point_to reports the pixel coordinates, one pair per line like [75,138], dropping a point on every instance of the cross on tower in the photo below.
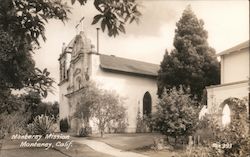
[79,26]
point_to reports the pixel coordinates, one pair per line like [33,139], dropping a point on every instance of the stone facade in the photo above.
[131,79]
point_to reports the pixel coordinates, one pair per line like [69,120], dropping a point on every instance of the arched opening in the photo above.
[78,82]
[226,115]
[147,104]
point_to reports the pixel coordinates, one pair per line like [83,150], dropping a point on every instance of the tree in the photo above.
[88,99]
[192,63]
[102,106]
[176,114]
[108,110]
[114,14]
[33,105]
[22,23]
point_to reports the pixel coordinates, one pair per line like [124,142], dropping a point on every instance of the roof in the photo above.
[119,64]
[235,48]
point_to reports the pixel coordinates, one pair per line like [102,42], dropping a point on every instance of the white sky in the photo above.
[227,23]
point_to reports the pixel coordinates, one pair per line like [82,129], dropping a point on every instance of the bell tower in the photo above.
[63,64]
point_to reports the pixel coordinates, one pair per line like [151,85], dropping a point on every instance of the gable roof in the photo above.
[235,48]
[119,64]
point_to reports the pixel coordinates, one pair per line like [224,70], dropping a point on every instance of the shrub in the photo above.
[203,131]
[85,131]
[14,123]
[234,134]
[42,125]
[64,125]
[117,126]
[177,114]
[143,123]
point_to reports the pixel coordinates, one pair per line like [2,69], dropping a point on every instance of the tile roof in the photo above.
[235,48]
[119,64]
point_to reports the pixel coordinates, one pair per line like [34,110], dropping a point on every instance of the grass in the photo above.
[138,142]
[127,142]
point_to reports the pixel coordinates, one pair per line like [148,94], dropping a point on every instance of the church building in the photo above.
[131,79]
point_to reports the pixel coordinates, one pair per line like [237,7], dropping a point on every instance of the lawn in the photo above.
[129,141]
[139,143]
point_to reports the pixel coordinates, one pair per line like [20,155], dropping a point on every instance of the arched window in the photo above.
[226,115]
[147,104]
[78,82]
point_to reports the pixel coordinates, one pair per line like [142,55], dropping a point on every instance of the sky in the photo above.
[227,23]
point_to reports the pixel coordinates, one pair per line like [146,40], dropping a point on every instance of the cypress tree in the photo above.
[192,63]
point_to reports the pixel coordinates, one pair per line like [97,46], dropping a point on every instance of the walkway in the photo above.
[104,148]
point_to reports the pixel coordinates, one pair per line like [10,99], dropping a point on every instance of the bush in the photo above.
[42,125]
[177,114]
[234,134]
[64,125]
[143,124]
[85,131]
[14,123]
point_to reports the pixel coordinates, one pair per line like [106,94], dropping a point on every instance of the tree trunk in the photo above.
[102,133]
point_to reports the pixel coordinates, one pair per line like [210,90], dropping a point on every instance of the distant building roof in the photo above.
[128,65]
[235,48]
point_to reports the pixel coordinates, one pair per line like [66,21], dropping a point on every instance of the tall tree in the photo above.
[21,25]
[192,63]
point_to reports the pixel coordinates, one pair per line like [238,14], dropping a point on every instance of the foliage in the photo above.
[114,14]
[13,123]
[41,125]
[203,131]
[33,104]
[233,137]
[107,109]
[104,107]
[10,103]
[143,123]
[176,113]
[85,131]
[64,125]
[235,133]
[198,152]
[48,108]
[21,25]
[88,99]
[192,63]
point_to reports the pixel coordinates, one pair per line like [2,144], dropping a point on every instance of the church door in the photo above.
[147,104]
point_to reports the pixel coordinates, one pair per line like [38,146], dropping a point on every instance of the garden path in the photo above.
[107,149]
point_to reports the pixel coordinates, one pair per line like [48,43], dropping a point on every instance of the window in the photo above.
[78,82]
[64,70]
[226,115]
[147,104]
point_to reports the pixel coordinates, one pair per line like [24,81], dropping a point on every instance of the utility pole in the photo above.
[248,91]
[97,40]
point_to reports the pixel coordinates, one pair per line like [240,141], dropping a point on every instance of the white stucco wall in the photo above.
[217,94]
[84,63]
[234,79]
[235,67]
[63,101]
[130,87]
